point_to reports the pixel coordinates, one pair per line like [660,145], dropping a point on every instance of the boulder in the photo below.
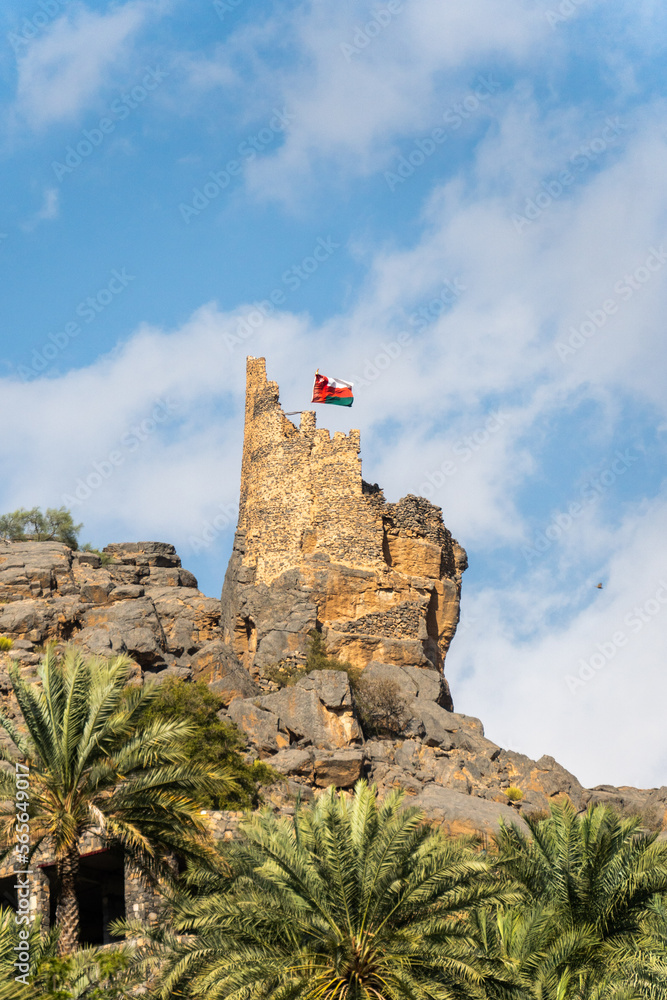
[292,762]
[215,664]
[429,707]
[93,582]
[541,781]
[413,682]
[189,619]
[24,656]
[172,672]
[304,713]
[331,686]
[127,592]
[42,620]
[260,726]
[131,627]
[144,553]
[317,710]
[341,768]
[35,569]
[649,804]
[465,814]
[46,592]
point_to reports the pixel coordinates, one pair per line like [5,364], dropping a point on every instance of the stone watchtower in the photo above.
[317,547]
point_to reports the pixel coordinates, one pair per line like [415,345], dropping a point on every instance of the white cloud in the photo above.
[608,726]
[168,406]
[61,72]
[165,478]
[50,210]
[361,75]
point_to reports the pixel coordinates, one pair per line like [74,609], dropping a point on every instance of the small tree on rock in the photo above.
[56,525]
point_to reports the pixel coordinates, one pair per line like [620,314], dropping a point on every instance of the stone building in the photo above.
[318,547]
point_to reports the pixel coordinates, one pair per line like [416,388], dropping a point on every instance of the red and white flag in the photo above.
[332,390]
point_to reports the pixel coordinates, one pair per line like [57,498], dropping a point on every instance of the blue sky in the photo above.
[460,207]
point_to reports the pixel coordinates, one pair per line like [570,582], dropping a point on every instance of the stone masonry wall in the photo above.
[300,490]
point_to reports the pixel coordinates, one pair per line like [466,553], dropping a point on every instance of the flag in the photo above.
[332,390]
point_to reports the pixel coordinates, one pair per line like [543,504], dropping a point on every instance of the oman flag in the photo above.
[332,390]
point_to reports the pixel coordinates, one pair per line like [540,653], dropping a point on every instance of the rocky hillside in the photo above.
[401,607]
[138,599]
[135,599]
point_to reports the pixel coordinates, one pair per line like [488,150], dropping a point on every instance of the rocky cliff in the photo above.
[136,598]
[316,548]
[141,601]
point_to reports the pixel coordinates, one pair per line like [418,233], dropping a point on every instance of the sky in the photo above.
[461,208]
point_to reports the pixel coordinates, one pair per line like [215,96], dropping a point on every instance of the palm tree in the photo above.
[87,974]
[532,955]
[350,899]
[40,947]
[95,767]
[593,921]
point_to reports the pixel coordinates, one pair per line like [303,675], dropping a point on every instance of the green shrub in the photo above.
[284,674]
[56,525]
[5,643]
[105,557]
[514,794]
[318,658]
[214,741]
[287,673]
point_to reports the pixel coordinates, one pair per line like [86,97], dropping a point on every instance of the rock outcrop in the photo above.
[138,599]
[308,734]
[135,599]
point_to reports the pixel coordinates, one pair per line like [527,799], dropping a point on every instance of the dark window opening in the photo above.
[432,616]
[8,894]
[245,640]
[100,890]
[385,542]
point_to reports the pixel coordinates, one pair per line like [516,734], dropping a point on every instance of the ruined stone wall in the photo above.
[301,490]
[317,546]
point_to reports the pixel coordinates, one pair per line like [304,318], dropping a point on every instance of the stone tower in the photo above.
[317,547]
